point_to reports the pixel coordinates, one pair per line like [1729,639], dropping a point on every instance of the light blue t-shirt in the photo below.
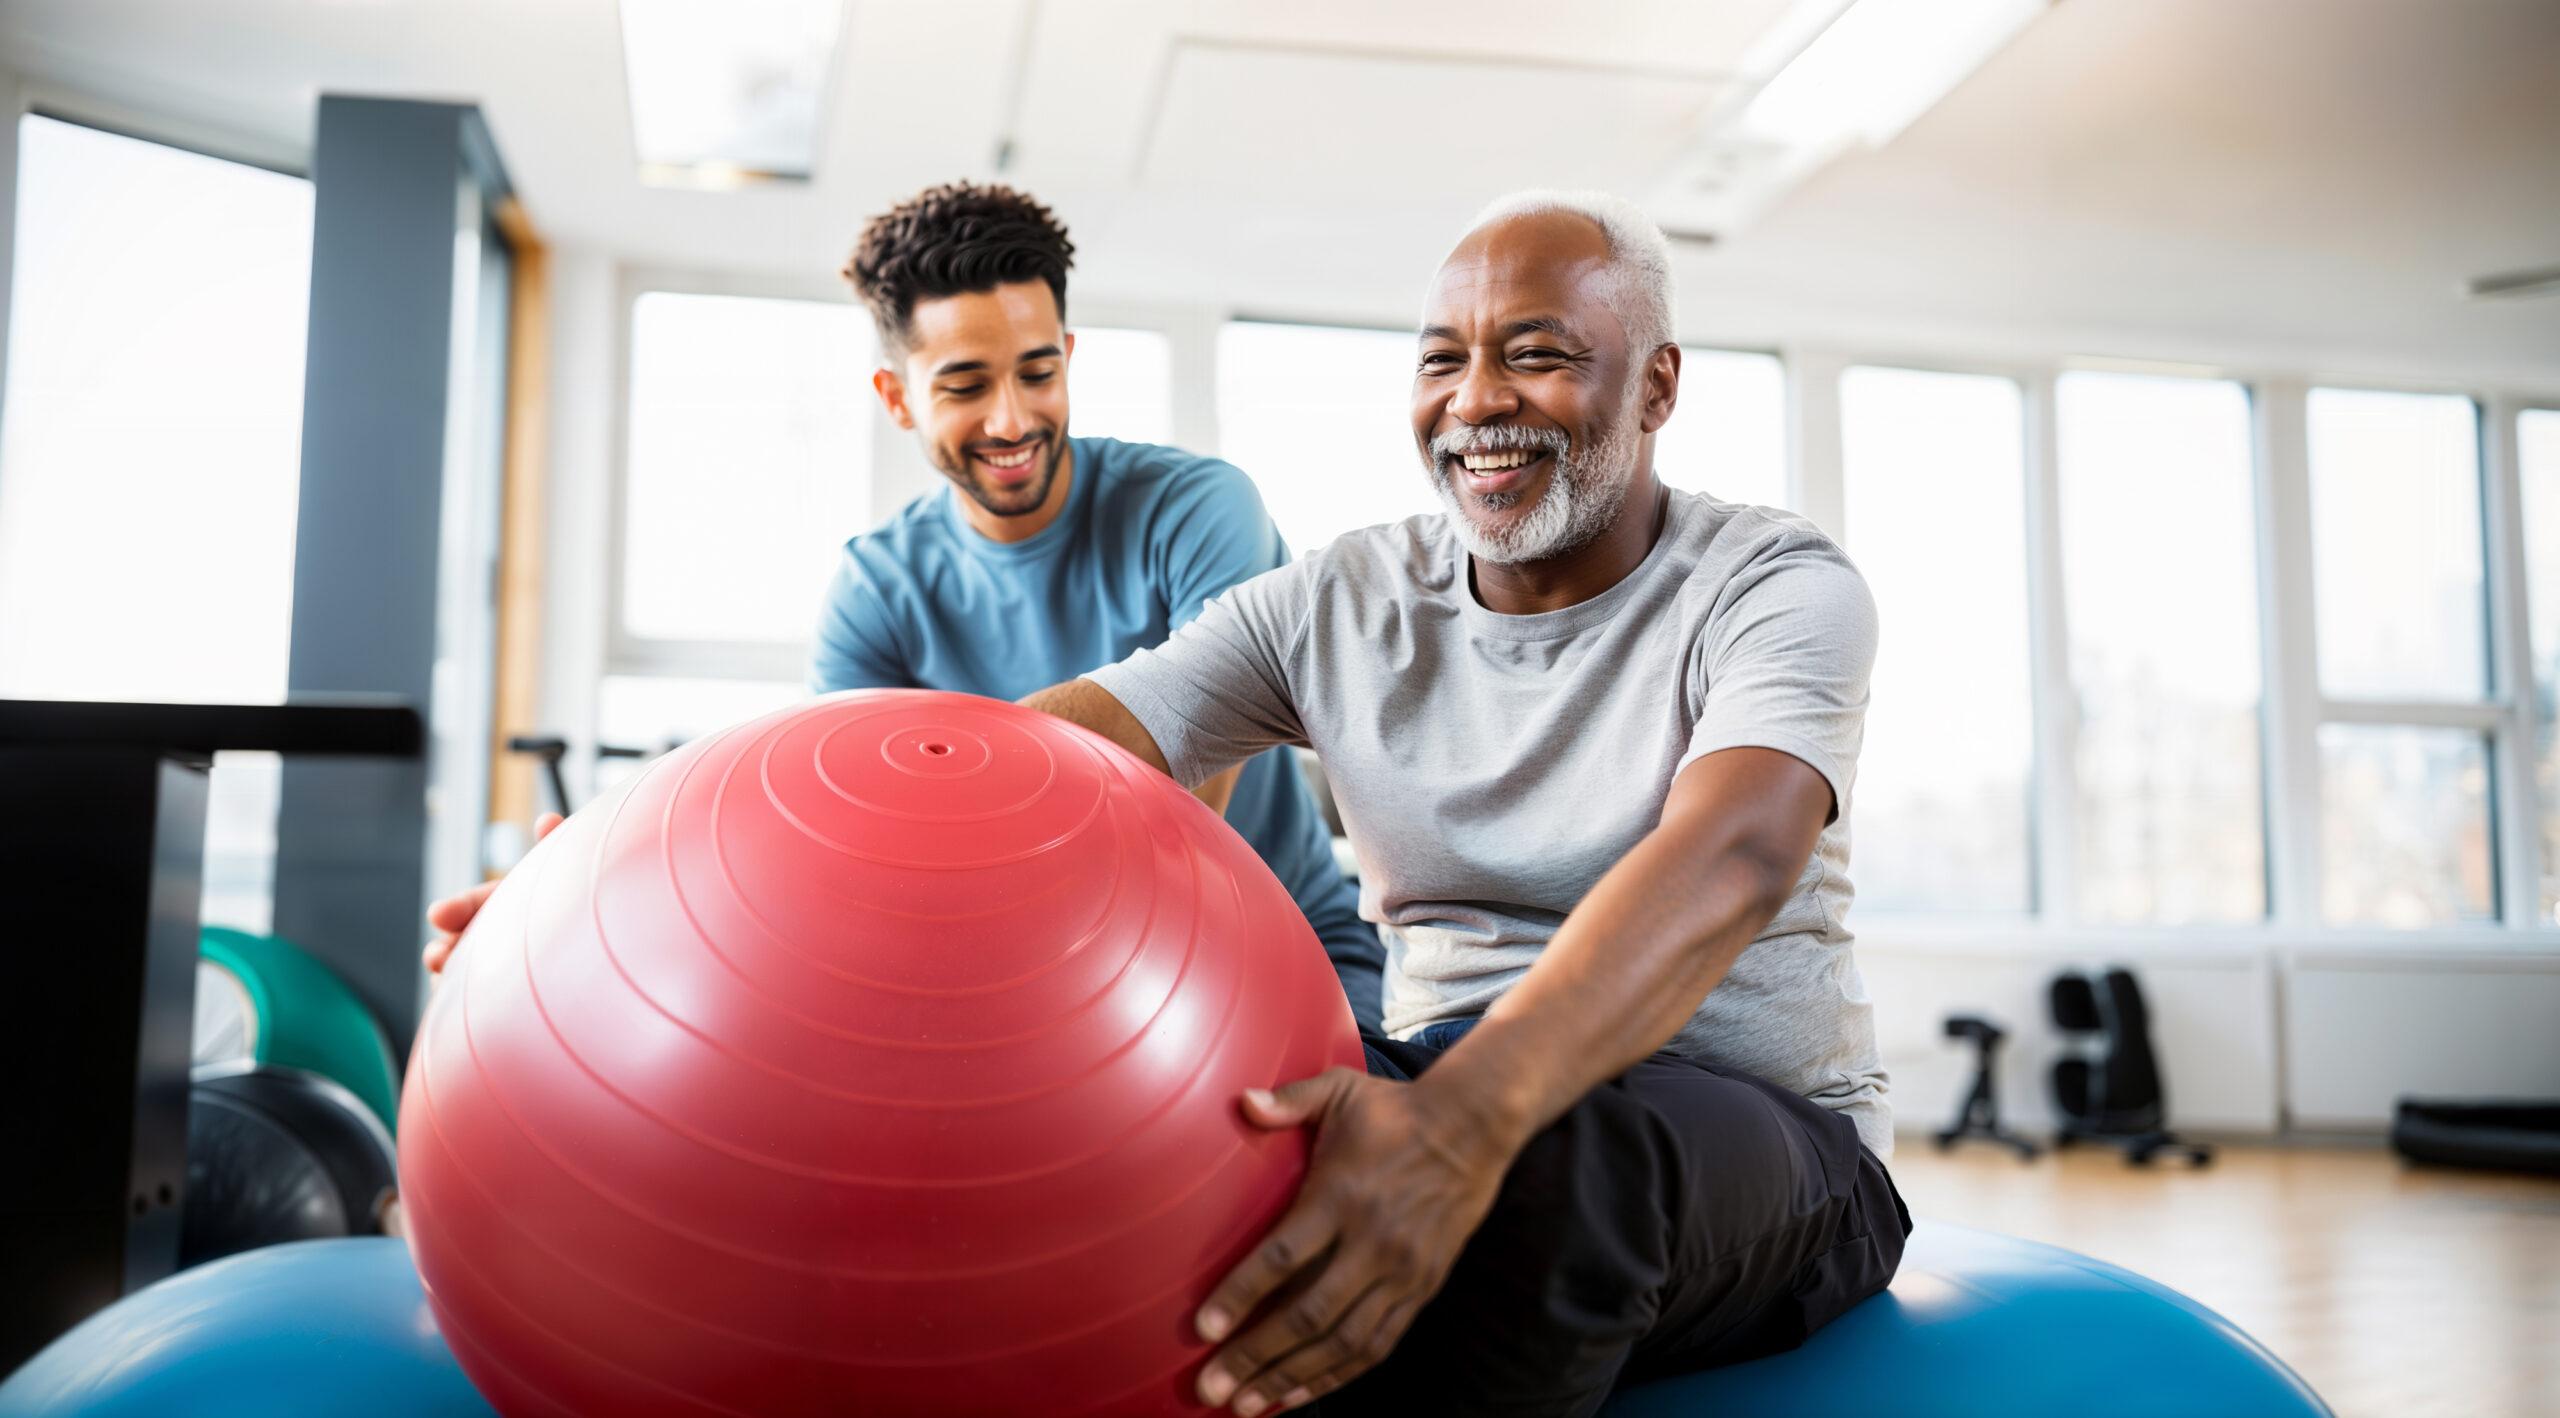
[1149,534]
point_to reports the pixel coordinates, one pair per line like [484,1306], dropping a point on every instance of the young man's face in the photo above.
[984,386]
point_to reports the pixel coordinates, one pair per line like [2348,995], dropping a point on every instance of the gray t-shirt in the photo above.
[1489,768]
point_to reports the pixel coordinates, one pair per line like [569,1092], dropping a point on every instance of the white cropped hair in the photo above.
[1638,250]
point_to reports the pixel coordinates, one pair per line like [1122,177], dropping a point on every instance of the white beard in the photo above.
[1581,501]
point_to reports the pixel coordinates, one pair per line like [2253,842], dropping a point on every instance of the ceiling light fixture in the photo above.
[1879,65]
[730,94]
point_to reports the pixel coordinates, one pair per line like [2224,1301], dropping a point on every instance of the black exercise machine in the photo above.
[1980,1114]
[102,864]
[2107,1088]
[549,749]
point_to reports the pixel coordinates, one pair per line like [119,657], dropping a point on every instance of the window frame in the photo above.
[2502,716]
[1819,476]
[2292,706]
[2515,809]
[670,657]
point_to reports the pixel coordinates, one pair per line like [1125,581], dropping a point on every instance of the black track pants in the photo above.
[1678,1217]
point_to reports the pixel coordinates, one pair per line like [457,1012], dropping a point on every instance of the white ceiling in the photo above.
[2306,181]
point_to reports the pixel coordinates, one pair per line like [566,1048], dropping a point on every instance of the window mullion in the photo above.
[1815,480]
[2513,740]
[2288,650]
[2055,767]
[1194,336]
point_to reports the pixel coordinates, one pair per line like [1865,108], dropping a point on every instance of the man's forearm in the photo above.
[1636,958]
[1089,705]
[1082,702]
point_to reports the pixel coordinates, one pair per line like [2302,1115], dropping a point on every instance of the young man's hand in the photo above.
[452,915]
[1396,1188]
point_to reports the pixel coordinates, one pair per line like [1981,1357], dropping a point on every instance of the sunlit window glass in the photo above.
[749,463]
[150,452]
[2404,826]
[1727,437]
[1318,417]
[2160,574]
[1934,468]
[2538,455]
[2396,547]
[1120,385]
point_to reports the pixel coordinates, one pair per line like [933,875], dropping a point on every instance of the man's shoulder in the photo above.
[1720,540]
[1738,563]
[1140,477]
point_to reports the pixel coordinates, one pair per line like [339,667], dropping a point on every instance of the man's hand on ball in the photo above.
[451,916]
[1393,1192]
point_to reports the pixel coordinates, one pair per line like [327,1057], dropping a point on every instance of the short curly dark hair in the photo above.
[955,239]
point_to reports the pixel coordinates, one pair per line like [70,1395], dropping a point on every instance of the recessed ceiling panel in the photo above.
[1322,127]
[1706,37]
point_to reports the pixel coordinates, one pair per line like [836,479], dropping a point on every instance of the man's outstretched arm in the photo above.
[1089,705]
[1405,1172]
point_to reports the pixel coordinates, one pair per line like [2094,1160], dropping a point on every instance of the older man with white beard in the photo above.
[1593,741]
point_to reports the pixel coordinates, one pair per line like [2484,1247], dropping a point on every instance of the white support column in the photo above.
[2511,674]
[2288,651]
[2057,707]
[1194,336]
[587,359]
[1814,477]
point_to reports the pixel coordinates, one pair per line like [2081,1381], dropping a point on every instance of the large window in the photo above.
[1934,480]
[2401,600]
[150,450]
[749,464]
[2538,459]
[1728,436]
[2160,567]
[1318,417]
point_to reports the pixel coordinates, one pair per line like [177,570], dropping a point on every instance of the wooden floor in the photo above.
[2394,1290]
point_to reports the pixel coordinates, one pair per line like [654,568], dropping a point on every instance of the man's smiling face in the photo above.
[984,384]
[1525,394]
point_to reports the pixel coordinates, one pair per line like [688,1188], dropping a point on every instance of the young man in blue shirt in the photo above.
[1048,555]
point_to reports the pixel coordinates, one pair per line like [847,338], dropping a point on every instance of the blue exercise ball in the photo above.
[318,1329]
[1980,1323]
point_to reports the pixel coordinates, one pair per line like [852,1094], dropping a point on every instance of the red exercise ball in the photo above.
[879,1056]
